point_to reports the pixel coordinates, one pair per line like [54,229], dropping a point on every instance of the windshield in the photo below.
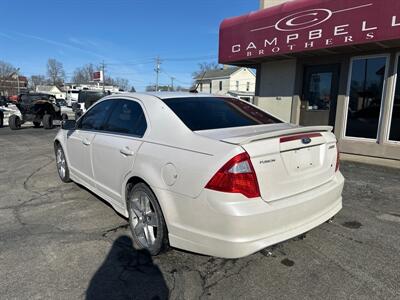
[204,113]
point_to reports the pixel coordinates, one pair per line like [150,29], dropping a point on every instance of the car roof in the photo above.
[169,95]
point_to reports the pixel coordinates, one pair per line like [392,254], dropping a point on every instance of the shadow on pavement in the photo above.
[127,274]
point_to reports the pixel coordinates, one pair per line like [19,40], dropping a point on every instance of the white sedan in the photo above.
[207,174]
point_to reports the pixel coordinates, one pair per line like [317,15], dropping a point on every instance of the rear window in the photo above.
[204,113]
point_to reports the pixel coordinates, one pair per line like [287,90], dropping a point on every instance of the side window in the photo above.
[127,118]
[94,118]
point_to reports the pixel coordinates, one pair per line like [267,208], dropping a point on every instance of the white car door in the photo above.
[115,148]
[79,141]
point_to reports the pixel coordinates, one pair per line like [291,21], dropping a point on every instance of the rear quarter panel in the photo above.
[179,170]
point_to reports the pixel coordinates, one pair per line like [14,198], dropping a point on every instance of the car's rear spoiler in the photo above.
[242,140]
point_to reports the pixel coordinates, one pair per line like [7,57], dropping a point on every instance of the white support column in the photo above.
[269,3]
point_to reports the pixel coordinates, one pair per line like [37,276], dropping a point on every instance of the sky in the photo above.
[127,34]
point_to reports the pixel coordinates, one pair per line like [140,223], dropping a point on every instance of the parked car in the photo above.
[37,108]
[3,106]
[66,112]
[207,174]
[7,109]
[86,99]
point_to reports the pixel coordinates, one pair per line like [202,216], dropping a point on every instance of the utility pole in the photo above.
[172,83]
[157,70]
[17,71]
[103,68]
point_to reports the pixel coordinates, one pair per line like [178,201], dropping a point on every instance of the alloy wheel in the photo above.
[143,219]
[61,163]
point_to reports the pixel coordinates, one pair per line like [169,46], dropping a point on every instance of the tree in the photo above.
[204,67]
[181,89]
[122,83]
[36,80]
[150,88]
[161,88]
[84,74]
[55,71]
[6,69]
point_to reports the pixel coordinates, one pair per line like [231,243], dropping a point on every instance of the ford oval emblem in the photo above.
[306,141]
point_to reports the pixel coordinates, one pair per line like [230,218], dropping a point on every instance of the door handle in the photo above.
[86,142]
[126,151]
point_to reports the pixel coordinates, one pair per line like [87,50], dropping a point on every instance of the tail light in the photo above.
[337,159]
[236,176]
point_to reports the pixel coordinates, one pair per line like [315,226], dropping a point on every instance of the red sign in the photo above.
[98,76]
[305,25]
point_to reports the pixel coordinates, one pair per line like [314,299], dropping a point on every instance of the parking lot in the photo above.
[59,241]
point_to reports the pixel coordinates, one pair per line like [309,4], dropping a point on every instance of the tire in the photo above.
[47,121]
[61,163]
[1,120]
[14,122]
[36,124]
[146,220]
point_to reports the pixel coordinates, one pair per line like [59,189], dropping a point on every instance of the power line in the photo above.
[185,59]
[176,79]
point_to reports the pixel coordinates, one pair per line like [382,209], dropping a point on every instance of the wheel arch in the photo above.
[132,181]
[47,108]
[59,142]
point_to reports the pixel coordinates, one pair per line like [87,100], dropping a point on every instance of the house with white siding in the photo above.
[234,81]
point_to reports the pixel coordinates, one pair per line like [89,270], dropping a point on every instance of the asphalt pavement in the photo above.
[59,241]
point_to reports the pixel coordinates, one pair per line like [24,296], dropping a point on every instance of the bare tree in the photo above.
[109,80]
[84,74]
[122,83]
[55,71]
[36,80]
[204,67]
[6,71]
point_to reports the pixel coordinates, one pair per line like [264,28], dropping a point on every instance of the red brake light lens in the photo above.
[236,176]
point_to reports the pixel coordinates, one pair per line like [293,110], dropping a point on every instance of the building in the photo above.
[235,81]
[13,85]
[325,62]
[90,86]
[51,89]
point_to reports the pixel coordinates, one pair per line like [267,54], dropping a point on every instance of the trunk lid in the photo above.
[287,159]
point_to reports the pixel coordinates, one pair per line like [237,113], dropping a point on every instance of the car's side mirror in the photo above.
[68,125]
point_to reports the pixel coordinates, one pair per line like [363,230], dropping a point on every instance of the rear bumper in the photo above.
[233,227]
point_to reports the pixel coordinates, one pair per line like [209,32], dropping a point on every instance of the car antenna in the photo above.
[194,90]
